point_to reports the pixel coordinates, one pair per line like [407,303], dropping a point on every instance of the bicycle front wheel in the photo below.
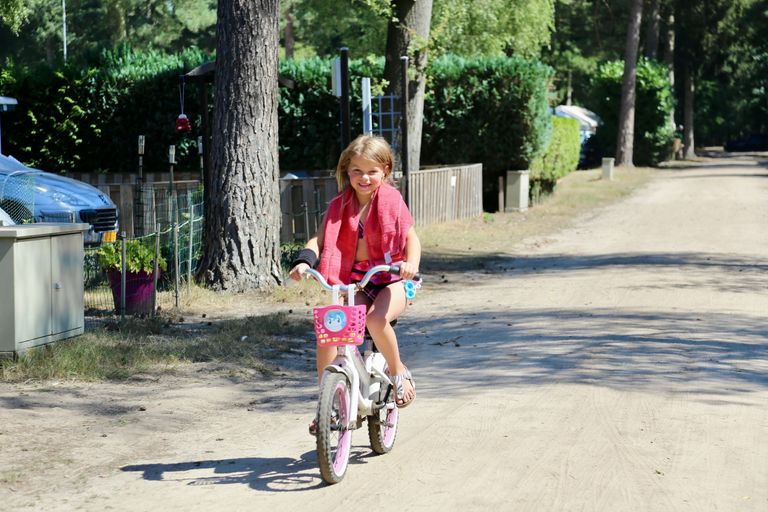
[334,439]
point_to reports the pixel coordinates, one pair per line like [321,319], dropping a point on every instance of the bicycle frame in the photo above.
[365,373]
[354,388]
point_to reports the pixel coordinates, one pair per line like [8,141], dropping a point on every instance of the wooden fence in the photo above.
[303,202]
[445,194]
[436,195]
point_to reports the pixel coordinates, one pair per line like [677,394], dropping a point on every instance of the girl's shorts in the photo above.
[377,283]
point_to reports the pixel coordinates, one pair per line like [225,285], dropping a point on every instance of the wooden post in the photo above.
[607,168]
[501,194]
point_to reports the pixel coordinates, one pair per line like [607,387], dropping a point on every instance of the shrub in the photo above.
[489,110]
[560,157]
[653,129]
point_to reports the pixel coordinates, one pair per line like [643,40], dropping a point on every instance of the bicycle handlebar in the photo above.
[392,269]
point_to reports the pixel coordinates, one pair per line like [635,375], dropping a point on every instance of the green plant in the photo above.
[653,104]
[560,157]
[139,257]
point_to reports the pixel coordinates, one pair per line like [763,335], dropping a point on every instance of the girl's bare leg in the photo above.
[324,357]
[389,304]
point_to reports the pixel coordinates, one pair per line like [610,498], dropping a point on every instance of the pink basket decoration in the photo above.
[340,325]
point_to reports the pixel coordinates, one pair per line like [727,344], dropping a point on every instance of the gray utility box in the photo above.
[41,284]
[517,191]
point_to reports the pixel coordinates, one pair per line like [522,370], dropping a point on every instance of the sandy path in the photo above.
[621,365]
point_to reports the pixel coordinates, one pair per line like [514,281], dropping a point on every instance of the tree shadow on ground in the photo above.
[667,349]
[660,351]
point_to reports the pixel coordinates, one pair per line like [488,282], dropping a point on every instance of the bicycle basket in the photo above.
[340,325]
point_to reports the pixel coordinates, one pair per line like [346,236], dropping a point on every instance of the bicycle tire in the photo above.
[334,439]
[382,430]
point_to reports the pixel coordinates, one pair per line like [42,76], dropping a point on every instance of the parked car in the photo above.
[588,125]
[753,142]
[32,195]
[5,219]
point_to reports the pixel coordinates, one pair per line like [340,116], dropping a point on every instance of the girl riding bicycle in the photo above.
[368,224]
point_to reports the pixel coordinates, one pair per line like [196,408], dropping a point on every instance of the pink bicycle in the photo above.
[354,387]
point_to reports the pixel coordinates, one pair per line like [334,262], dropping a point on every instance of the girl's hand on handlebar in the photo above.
[297,271]
[408,270]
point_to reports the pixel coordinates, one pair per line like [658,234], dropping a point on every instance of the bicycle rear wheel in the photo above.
[382,430]
[334,439]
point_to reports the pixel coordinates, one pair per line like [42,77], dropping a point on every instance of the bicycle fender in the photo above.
[339,369]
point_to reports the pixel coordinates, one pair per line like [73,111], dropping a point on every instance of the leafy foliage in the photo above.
[88,119]
[13,13]
[492,27]
[561,155]
[654,101]
[53,123]
[94,25]
[139,257]
[489,110]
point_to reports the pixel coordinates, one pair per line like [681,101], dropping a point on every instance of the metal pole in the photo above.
[305,206]
[139,200]
[346,136]
[367,116]
[171,161]
[404,127]
[189,245]
[122,274]
[156,269]
[176,261]
[202,160]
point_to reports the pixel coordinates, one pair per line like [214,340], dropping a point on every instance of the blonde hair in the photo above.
[370,147]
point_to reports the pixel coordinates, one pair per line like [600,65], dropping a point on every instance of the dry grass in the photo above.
[118,350]
[500,233]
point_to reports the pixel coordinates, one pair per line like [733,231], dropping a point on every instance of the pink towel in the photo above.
[386,229]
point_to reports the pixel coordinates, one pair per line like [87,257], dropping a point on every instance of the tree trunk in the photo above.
[625,139]
[242,229]
[408,34]
[651,49]
[669,60]
[289,40]
[688,146]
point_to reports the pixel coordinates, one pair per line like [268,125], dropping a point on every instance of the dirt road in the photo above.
[620,365]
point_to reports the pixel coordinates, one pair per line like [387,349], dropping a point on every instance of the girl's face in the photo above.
[365,176]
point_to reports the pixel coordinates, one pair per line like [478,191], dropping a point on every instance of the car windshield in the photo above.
[10,164]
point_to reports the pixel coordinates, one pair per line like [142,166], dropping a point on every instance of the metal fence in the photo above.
[17,197]
[176,241]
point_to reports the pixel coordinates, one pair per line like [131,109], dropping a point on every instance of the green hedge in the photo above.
[560,157]
[654,102]
[489,110]
[75,119]
[308,115]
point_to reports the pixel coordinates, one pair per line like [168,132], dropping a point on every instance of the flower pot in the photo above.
[139,287]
